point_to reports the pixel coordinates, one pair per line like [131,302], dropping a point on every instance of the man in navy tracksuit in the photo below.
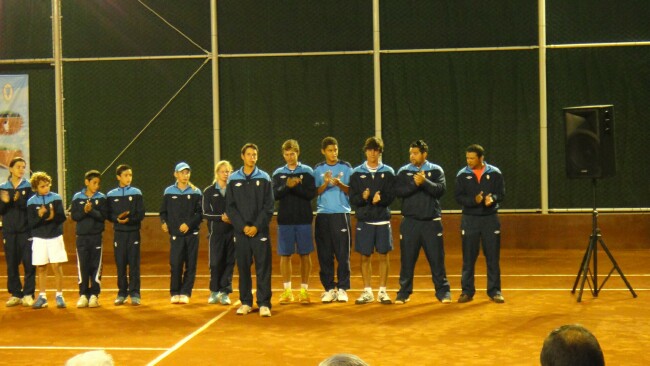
[420,185]
[89,210]
[126,210]
[372,190]
[181,215]
[480,189]
[249,205]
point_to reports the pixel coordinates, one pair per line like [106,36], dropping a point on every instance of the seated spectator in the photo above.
[343,359]
[571,345]
[91,358]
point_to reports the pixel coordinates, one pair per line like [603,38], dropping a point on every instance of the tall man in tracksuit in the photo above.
[480,189]
[181,215]
[89,210]
[420,184]
[249,205]
[372,190]
[126,210]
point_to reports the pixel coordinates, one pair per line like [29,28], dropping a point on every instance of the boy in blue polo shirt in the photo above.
[332,229]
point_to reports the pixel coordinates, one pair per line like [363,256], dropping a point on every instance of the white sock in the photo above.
[287,285]
[304,285]
[43,295]
[382,289]
[367,289]
[59,293]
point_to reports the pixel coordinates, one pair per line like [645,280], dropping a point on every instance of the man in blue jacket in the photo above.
[480,189]
[420,184]
[249,205]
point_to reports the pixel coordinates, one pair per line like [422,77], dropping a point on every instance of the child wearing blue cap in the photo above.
[181,215]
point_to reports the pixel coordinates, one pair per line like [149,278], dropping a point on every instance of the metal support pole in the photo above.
[376,65]
[216,122]
[58,95]
[543,117]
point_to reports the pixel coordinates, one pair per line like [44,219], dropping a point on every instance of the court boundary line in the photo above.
[189,337]
[82,348]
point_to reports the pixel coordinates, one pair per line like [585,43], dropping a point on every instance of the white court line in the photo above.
[189,337]
[85,348]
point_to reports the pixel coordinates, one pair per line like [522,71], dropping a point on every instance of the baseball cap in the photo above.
[182,166]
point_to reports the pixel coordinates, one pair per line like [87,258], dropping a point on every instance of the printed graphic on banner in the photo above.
[14,120]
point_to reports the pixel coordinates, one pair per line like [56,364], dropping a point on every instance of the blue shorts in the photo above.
[370,237]
[295,239]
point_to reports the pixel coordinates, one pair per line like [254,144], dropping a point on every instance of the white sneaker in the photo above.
[328,296]
[13,301]
[93,302]
[383,298]
[82,302]
[215,297]
[176,299]
[28,300]
[342,296]
[184,299]
[365,298]
[265,311]
[245,309]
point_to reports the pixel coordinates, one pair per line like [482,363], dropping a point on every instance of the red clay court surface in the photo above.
[536,284]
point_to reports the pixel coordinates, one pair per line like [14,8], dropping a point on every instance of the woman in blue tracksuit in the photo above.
[14,194]
[220,236]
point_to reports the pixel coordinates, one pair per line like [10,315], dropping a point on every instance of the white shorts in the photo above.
[46,251]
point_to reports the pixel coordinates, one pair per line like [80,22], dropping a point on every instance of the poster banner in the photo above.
[14,121]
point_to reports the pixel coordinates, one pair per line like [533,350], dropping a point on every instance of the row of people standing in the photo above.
[33,218]
[245,201]
[244,216]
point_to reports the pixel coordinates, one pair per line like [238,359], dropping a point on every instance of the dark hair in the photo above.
[14,161]
[121,168]
[327,141]
[91,174]
[420,144]
[571,345]
[249,145]
[374,143]
[475,148]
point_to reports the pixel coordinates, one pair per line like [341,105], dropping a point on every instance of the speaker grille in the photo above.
[589,141]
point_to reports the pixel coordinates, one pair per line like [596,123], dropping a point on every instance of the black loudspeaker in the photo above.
[590,149]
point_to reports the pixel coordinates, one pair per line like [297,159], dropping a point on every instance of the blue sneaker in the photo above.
[135,300]
[225,300]
[40,303]
[60,303]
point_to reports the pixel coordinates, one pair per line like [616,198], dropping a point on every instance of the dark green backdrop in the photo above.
[450,99]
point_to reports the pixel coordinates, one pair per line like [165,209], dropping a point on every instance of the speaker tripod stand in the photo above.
[585,273]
